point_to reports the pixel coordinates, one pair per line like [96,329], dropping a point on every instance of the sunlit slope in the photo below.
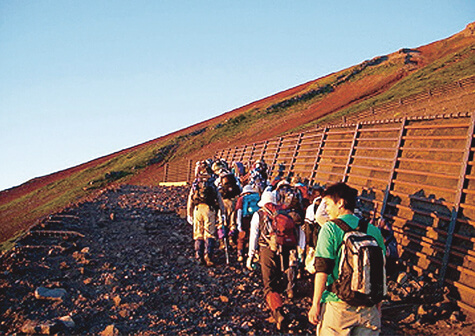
[377,81]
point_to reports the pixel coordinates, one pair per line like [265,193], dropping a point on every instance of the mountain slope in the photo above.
[377,81]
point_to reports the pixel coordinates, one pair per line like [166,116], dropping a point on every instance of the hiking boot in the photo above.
[240,258]
[199,260]
[279,318]
[208,261]
[222,245]
[290,294]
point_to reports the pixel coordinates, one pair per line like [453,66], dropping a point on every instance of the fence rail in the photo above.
[415,172]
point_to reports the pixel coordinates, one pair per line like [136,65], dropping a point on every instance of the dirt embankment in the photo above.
[122,263]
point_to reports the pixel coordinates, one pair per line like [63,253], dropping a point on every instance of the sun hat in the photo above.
[267,197]
[282,183]
[248,189]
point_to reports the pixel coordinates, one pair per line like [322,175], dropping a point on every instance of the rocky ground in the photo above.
[122,263]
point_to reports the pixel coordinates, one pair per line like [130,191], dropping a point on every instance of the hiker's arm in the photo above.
[239,219]
[253,235]
[221,206]
[315,310]
[189,208]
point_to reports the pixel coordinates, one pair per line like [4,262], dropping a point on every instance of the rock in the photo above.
[116,300]
[224,298]
[410,319]
[43,328]
[402,278]
[181,260]
[110,330]
[455,317]
[68,322]
[422,311]
[42,293]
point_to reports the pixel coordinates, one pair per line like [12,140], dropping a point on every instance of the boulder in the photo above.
[41,328]
[55,294]
[110,330]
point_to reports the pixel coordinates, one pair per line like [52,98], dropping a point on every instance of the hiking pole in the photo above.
[282,268]
[222,234]
[226,253]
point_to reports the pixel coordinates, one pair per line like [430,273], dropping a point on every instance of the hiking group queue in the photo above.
[291,228]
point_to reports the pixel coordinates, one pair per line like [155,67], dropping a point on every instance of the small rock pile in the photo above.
[122,263]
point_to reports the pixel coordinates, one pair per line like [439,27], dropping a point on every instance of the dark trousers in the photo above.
[275,277]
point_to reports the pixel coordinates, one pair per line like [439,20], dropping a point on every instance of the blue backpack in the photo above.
[249,204]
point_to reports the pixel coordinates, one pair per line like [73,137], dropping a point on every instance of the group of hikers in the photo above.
[293,229]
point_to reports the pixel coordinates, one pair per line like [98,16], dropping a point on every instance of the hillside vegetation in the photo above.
[373,82]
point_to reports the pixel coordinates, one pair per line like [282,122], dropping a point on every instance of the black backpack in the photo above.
[311,229]
[229,186]
[362,276]
[203,192]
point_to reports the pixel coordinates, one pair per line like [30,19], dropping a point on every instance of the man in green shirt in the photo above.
[332,315]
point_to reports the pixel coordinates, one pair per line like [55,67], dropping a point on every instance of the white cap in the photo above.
[267,197]
[248,189]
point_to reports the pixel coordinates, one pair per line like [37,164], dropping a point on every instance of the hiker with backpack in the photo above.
[273,232]
[204,209]
[303,189]
[392,253]
[246,206]
[350,279]
[290,199]
[257,176]
[315,217]
[229,188]
[238,169]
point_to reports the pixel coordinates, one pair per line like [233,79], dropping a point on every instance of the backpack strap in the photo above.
[342,225]
[268,217]
[362,225]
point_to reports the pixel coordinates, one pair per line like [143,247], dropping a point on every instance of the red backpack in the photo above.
[282,225]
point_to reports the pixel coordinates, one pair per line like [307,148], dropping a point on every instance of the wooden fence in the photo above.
[180,171]
[415,172]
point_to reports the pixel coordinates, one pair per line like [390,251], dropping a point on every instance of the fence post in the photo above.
[190,171]
[458,198]
[350,154]
[165,172]
[253,150]
[295,154]
[313,173]
[242,153]
[397,154]
[264,149]
[276,155]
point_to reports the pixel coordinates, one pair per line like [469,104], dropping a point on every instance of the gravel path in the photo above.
[125,262]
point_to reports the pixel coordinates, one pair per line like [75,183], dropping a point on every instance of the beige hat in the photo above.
[267,197]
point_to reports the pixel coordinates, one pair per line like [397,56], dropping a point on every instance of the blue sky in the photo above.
[83,79]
